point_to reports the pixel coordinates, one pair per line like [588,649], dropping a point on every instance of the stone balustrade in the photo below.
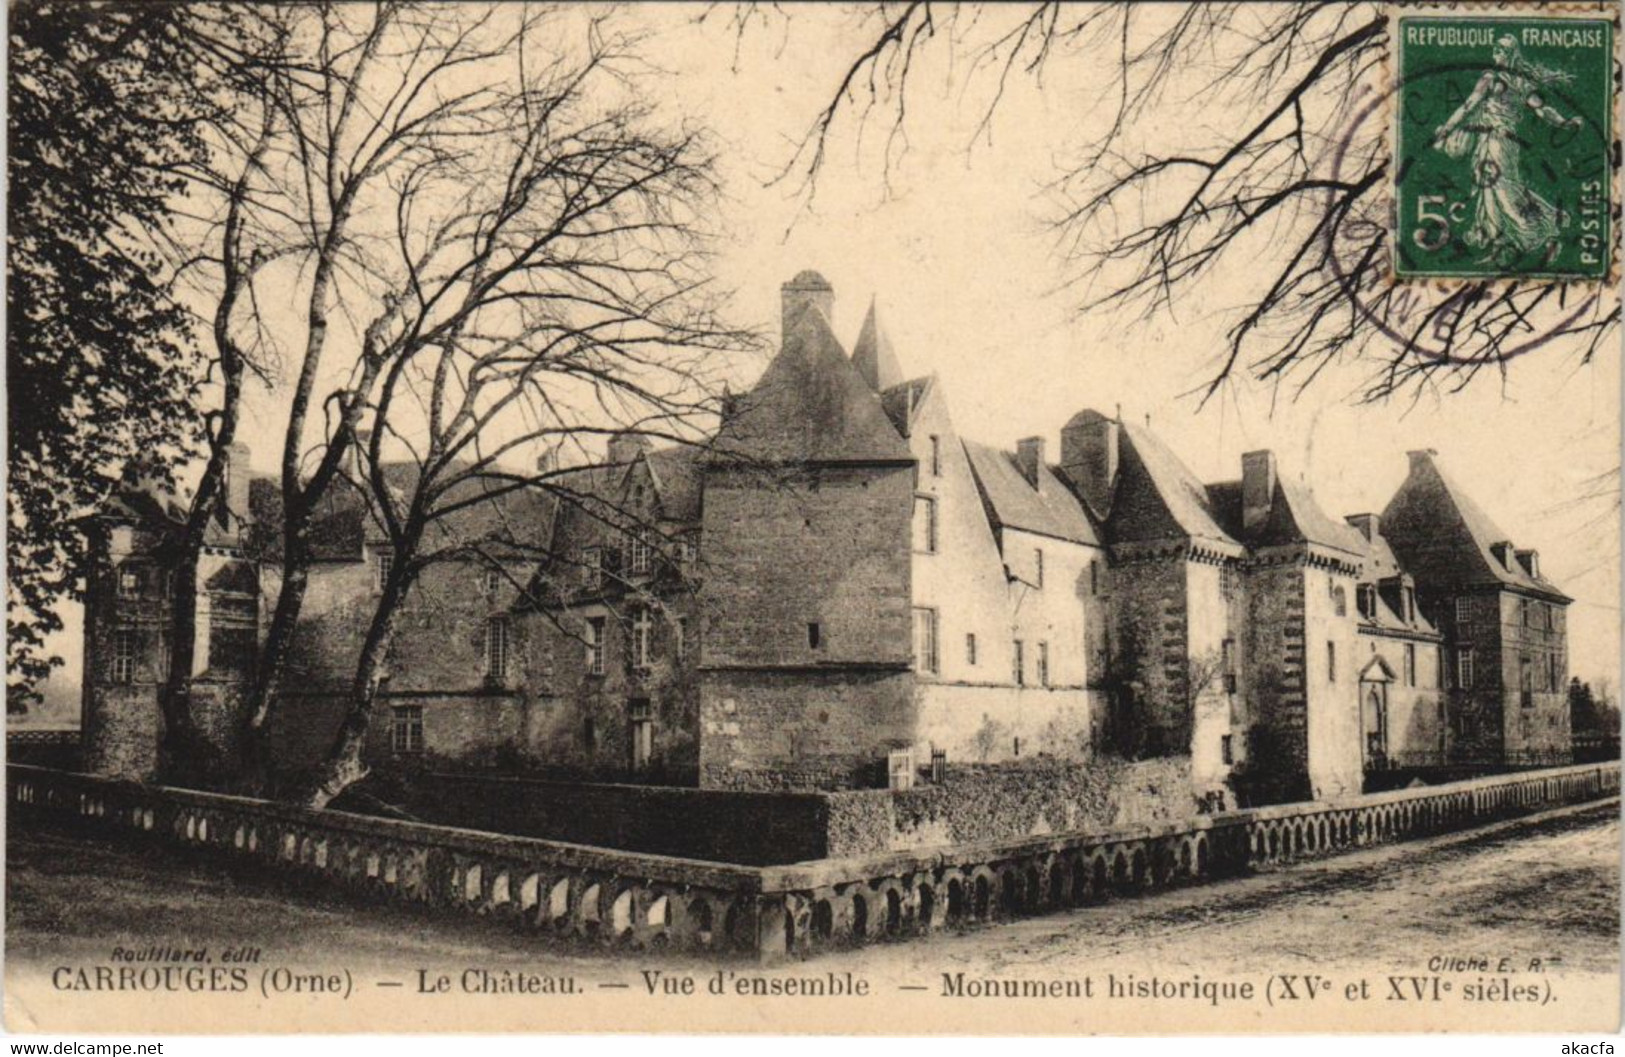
[649,901]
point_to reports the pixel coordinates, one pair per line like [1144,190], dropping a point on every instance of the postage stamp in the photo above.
[1504,132]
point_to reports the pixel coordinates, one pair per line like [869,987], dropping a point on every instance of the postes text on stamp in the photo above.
[1503,131]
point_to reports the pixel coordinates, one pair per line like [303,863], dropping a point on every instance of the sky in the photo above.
[949,241]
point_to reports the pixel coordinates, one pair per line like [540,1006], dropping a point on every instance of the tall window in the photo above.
[637,558]
[595,646]
[1340,602]
[1526,682]
[1464,668]
[1227,664]
[406,729]
[1410,664]
[936,455]
[679,635]
[383,561]
[925,524]
[1043,664]
[1038,566]
[1094,577]
[593,559]
[642,632]
[970,649]
[925,640]
[1464,610]
[1018,663]
[1438,667]
[1554,678]
[1331,662]
[496,647]
[1523,612]
[124,655]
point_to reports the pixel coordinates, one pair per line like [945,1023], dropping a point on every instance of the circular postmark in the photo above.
[1499,206]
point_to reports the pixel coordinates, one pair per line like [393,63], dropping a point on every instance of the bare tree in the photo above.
[542,281]
[1286,179]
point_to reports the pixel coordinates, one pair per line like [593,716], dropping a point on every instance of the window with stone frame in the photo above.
[925,524]
[642,638]
[926,657]
[1464,668]
[1554,673]
[1410,664]
[1526,681]
[498,645]
[406,729]
[1038,567]
[595,646]
[1018,663]
[1340,603]
[1042,662]
[124,649]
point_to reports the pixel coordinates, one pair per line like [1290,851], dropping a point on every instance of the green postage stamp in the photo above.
[1504,131]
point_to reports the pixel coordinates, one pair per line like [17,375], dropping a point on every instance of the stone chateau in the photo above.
[840,576]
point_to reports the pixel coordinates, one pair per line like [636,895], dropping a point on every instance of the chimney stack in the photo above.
[1257,488]
[1089,458]
[1366,524]
[807,288]
[1421,459]
[1030,459]
[234,493]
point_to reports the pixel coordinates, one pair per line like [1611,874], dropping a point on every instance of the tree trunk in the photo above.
[273,659]
[343,766]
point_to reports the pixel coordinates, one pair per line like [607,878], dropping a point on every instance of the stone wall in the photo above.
[640,902]
[1010,802]
[806,656]
[726,826]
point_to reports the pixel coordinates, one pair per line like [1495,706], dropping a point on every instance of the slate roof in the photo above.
[1052,510]
[902,401]
[1295,517]
[1157,497]
[811,405]
[1441,535]
[874,356]
[676,473]
[520,521]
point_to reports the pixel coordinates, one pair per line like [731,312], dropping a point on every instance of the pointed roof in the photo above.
[1012,502]
[1442,536]
[874,356]
[902,401]
[1158,497]
[811,405]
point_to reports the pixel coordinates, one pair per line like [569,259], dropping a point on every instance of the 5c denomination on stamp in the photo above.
[1504,131]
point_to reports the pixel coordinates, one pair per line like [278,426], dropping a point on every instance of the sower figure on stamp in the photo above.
[1509,218]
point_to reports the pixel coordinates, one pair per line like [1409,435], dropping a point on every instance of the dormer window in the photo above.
[1408,593]
[638,556]
[1366,598]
